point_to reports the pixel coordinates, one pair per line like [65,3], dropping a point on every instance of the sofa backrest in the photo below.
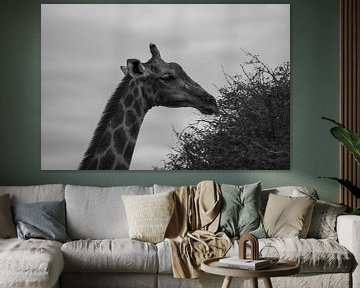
[98,212]
[162,188]
[36,193]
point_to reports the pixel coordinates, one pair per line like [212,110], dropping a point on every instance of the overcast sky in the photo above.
[83,46]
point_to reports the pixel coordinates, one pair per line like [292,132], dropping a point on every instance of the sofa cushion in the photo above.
[30,263]
[117,255]
[240,210]
[164,257]
[98,213]
[291,191]
[313,255]
[323,222]
[43,220]
[37,193]
[287,216]
[149,215]
[7,226]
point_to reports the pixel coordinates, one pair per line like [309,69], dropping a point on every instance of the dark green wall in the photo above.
[314,93]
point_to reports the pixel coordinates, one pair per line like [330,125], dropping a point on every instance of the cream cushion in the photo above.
[149,215]
[287,217]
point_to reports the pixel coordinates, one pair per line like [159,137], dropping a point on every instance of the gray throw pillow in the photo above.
[44,220]
[240,213]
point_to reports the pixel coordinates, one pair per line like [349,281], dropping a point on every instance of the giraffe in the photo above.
[145,85]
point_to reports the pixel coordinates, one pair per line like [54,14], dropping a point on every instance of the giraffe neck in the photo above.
[114,140]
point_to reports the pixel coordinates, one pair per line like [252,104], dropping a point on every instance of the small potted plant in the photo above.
[351,141]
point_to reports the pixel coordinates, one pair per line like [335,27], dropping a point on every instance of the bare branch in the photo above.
[268,150]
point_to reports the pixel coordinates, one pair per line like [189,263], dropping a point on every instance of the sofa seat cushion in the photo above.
[30,263]
[313,255]
[115,255]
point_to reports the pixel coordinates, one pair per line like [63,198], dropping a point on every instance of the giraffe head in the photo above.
[167,84]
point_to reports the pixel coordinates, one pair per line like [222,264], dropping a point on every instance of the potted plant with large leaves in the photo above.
[351,141]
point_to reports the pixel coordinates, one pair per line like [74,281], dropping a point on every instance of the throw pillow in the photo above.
[7,227]
[240,213]
[44,220]
[323,222]
[149,215]
[288,217]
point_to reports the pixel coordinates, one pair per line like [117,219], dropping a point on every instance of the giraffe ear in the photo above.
[124,70]
[154,51]
[134,68]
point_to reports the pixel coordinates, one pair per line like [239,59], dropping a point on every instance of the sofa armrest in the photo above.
[348,230]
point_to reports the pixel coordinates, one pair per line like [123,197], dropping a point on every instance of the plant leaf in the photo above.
[348,138]
[347,184]
[333,121]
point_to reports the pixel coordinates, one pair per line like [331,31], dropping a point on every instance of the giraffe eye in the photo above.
[167,77]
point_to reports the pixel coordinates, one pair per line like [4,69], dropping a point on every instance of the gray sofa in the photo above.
[101,254]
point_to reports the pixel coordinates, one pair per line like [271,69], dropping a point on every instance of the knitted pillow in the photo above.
[323,222]
[149,215]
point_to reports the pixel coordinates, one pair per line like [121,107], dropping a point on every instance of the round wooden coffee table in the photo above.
[281,268]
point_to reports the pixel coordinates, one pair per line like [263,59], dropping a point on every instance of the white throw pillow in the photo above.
[149,215]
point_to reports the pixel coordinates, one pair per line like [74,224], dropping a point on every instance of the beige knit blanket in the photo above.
[191,231]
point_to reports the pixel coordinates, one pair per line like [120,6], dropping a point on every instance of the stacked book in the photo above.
[248,264]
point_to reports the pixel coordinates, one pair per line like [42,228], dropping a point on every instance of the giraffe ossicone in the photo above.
[145,85]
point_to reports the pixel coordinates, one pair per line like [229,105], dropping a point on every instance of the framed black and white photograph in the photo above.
[165,86]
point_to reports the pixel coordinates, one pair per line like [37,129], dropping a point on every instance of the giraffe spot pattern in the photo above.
[121,166]
[136,92]
[94,164]
[104,142]
[134,129]
[130,118]
[118,118]
[132,84]
[120,140]
[107,161]
[137,108]
[129,151]
[148,90]
[129,99]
